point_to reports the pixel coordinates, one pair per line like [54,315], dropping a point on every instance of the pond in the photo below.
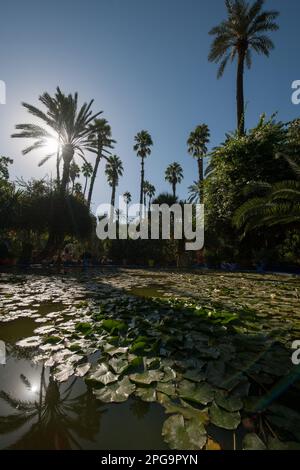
[137,359]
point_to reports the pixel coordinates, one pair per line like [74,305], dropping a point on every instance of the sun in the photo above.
[51,145]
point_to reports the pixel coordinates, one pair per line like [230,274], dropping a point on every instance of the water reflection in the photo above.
[38,413]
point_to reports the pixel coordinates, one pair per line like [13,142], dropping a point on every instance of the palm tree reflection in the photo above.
[57,419]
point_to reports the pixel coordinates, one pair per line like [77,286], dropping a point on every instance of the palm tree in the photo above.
[142,148]
[194,193]
[127,198]
[63,122]
[113,170]
[150,193]
[74,173]
[243,31]
[87,171]
[174,175]
[278,204]
[197,147]
[100,141]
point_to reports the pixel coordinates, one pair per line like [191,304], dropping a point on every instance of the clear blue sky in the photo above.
[145,64]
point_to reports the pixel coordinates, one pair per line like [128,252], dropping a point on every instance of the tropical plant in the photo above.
[113,170]
[242,32]
[100,141]
[127,198]
[73,173]
[278,204]
[63,123]
[143,149]
[174,176]
[194,192]
[149,191]
[197,147]
[87,171]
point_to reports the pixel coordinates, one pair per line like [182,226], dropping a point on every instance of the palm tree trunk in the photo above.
[93,178]
[174,189]
[240,93]
[85,185]
[68,154]
[112,201]
[200,173]
[142,181]
[57,169]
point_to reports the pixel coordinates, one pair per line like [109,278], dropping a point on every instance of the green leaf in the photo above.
[201,393]
[224,419]
[147,377]
[146,393]
[115,393]
[253,442]
[275,444]
[102,375]
[228,402]
[183,435]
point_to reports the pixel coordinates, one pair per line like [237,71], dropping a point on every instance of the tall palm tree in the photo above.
[73,174]
[100,141]
[127,198]
[143,149]
[113,170]
[197,147]
[87,171]
[62,121]
[150,193]
[174,175]
[244,30]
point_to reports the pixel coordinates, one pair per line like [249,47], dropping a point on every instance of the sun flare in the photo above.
[51,145]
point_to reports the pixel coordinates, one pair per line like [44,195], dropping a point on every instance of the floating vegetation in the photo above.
[220,357]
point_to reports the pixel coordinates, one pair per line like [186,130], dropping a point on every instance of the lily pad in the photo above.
[253,442]
[224,419]
[147,377]
[201,393]
[228,402]
[115,393]
[31,342]
[181,435]
[146,393]
[102,375]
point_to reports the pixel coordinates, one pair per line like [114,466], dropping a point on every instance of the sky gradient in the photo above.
[145,64]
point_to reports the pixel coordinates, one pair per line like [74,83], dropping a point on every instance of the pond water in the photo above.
[47,403]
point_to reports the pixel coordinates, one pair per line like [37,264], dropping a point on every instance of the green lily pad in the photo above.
[102,375]
[228,402]
[276,444]
[119,365]
[184,409]
[253,442]
[201,393]
[31,342]
[115,393]
[181,435]
[167,388]
[147,377]
[224,419]
[146,393]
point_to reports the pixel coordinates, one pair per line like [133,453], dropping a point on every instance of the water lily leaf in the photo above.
[167,388]
[31,342]
[201,393]
[147,377]
[224,419]
[253,442]
[187,411]
[275,444]
[228,402]
[113,351]
[63,372]
[169,374]
[285,418]
[119,365]
[82,369]
[115,393]
[181,435]
[194,375]
[146,393]
[103,375]
[111,325]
